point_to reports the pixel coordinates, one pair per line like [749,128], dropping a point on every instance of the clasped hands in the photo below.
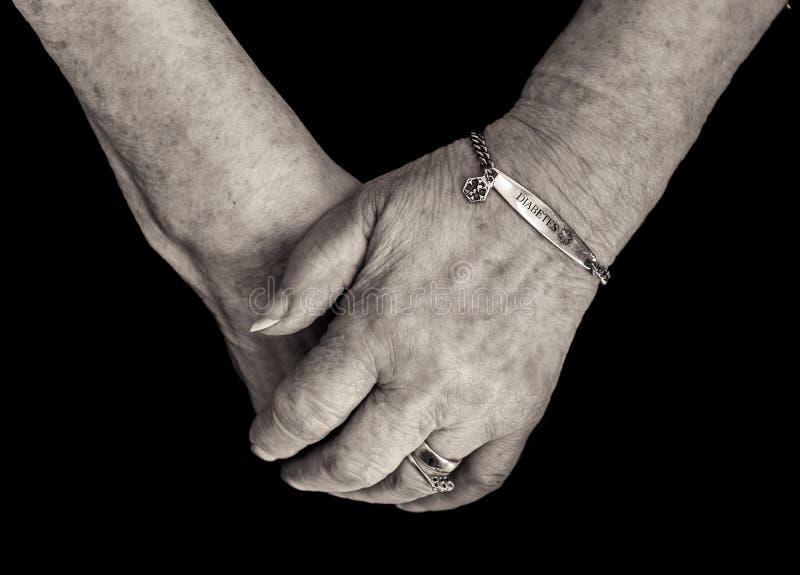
[452,329]
[455,318]
[458,316]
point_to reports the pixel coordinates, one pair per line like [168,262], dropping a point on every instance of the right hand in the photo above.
[221,176]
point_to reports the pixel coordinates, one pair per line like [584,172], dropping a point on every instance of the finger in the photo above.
[382,431]
[321,266]
[481,473]
[318,396]
[406,483]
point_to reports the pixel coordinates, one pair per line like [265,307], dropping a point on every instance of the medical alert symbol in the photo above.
[565,236]
[476,189]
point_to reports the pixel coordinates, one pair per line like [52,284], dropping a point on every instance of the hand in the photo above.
[221,176]
[230,276]
[473,381]
[222,253]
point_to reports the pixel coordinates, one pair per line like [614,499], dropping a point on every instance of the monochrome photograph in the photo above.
[418,268]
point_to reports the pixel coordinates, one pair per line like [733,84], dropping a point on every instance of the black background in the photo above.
[126,411]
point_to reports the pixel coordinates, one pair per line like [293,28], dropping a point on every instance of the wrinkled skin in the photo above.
[473,382]
[205,165]
[223,269]
[611,110]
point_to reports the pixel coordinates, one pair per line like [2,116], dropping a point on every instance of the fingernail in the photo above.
[279,307]
[261,454]
[263,323]
[287,478]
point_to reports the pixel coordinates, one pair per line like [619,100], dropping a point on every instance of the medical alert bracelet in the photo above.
[533,210]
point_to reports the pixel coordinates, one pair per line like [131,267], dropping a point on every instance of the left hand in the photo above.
[473,380]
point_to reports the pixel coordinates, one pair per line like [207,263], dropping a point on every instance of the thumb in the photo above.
[321,267]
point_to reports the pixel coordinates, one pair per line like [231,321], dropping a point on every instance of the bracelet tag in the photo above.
[532,209]
[542,217]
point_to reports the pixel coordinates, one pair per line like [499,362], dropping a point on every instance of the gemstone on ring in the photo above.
[434,468]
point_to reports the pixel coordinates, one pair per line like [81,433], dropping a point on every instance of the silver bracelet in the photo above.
[533,210]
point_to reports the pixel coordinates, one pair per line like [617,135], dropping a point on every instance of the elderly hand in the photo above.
[458,318]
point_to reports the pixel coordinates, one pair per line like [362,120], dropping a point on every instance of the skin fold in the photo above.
[204,165]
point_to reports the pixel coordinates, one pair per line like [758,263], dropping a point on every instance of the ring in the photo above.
[434,468]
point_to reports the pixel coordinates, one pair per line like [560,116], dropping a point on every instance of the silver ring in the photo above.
[434,468]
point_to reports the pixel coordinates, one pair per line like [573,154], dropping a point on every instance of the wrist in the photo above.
[544,162]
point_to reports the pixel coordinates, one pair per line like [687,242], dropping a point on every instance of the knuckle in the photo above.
[519,410]
[285,421]
[350,470]
[398,492]
[489,481]
[344,351]
[321,258]
[394,483]
[298,417]
[535,410]
[409,404]
[257,429]
[370,199]
[410,485]
[501,422]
